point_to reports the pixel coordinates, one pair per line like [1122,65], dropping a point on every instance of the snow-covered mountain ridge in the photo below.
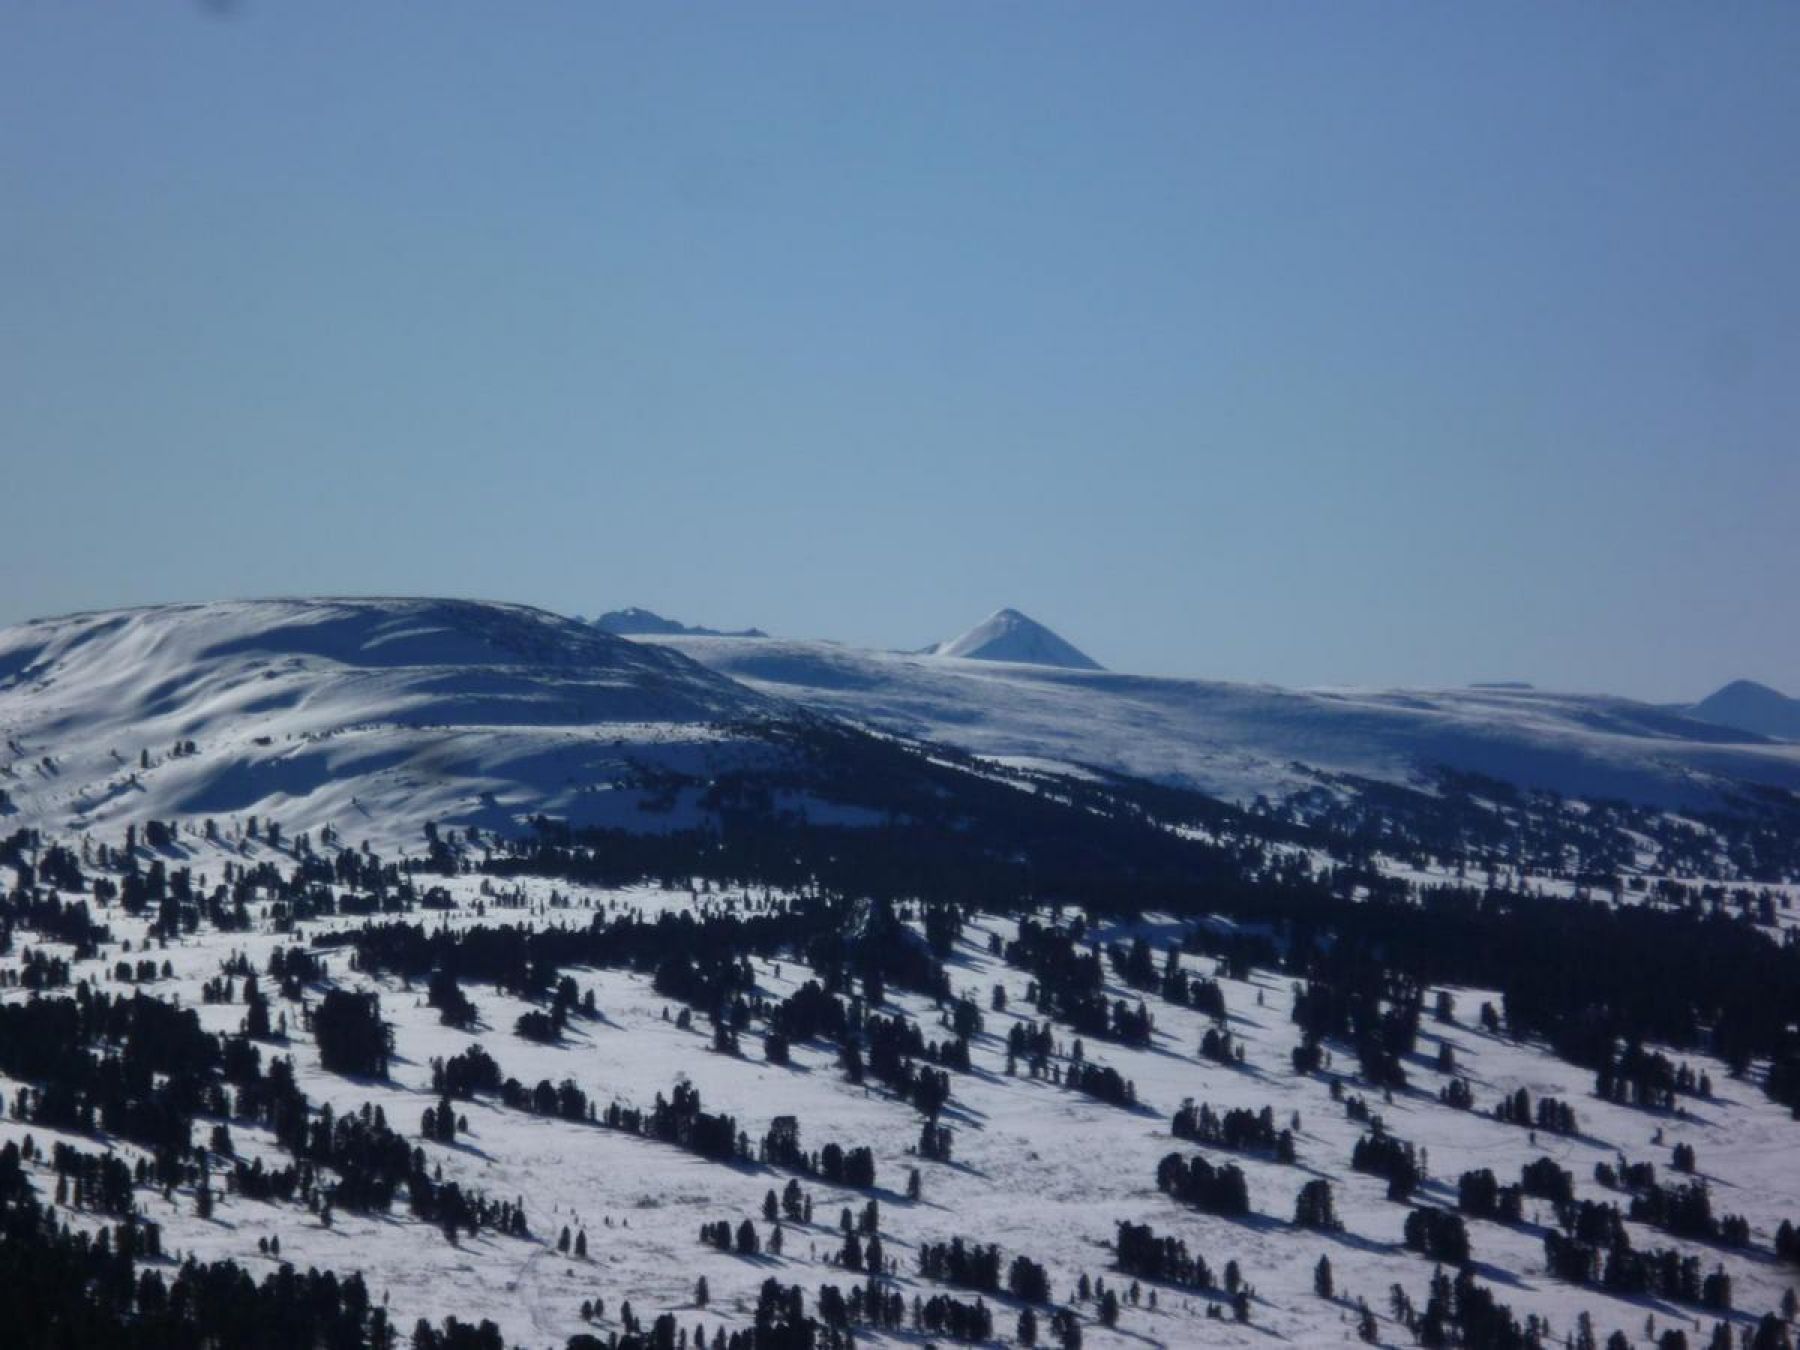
[395,711]
[337,710]
[1241,740]
[1752,707]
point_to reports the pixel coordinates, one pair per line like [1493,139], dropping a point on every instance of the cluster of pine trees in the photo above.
[1437,1234]
[1238,1128]
[1595,1248]
[1480,1195]
[66,1286]
[1552,1115]
[1382,1154]
[1139,1251]
[1217,1190]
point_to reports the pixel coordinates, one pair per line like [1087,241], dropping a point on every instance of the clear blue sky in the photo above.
[1304,342]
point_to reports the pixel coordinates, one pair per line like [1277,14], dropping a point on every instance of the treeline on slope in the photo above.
[1702,981]
[105,1288]
[780,1322]
[1692,979]
[1466,820]
[702,961]
[1596,980]
[698,959]
[146,1071]
[1705,982]
[1030,845]
[1689,978]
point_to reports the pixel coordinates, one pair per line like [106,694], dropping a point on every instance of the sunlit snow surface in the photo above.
[372,715]
[1239,740]
[375,715]
[1038,1169]
[1007,635]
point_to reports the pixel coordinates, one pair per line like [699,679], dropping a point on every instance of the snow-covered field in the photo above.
[1038,1169]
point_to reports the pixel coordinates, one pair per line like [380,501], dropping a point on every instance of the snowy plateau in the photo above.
[575,988]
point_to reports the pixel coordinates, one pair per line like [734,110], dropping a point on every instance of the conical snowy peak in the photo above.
[1750,706]
[1007,635]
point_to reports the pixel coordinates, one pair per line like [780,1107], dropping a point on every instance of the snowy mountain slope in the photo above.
[1040,1169]
[1239,740]
[373,715]
[1007,635]
[379,714]
[340,711]
[1751,707]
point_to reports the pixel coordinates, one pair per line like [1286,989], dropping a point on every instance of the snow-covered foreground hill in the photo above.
[1000,982]
[373,715]
[1041,1170]
[1239,740]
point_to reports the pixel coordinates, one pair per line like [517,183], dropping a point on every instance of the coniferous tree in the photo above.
[1314,1208]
